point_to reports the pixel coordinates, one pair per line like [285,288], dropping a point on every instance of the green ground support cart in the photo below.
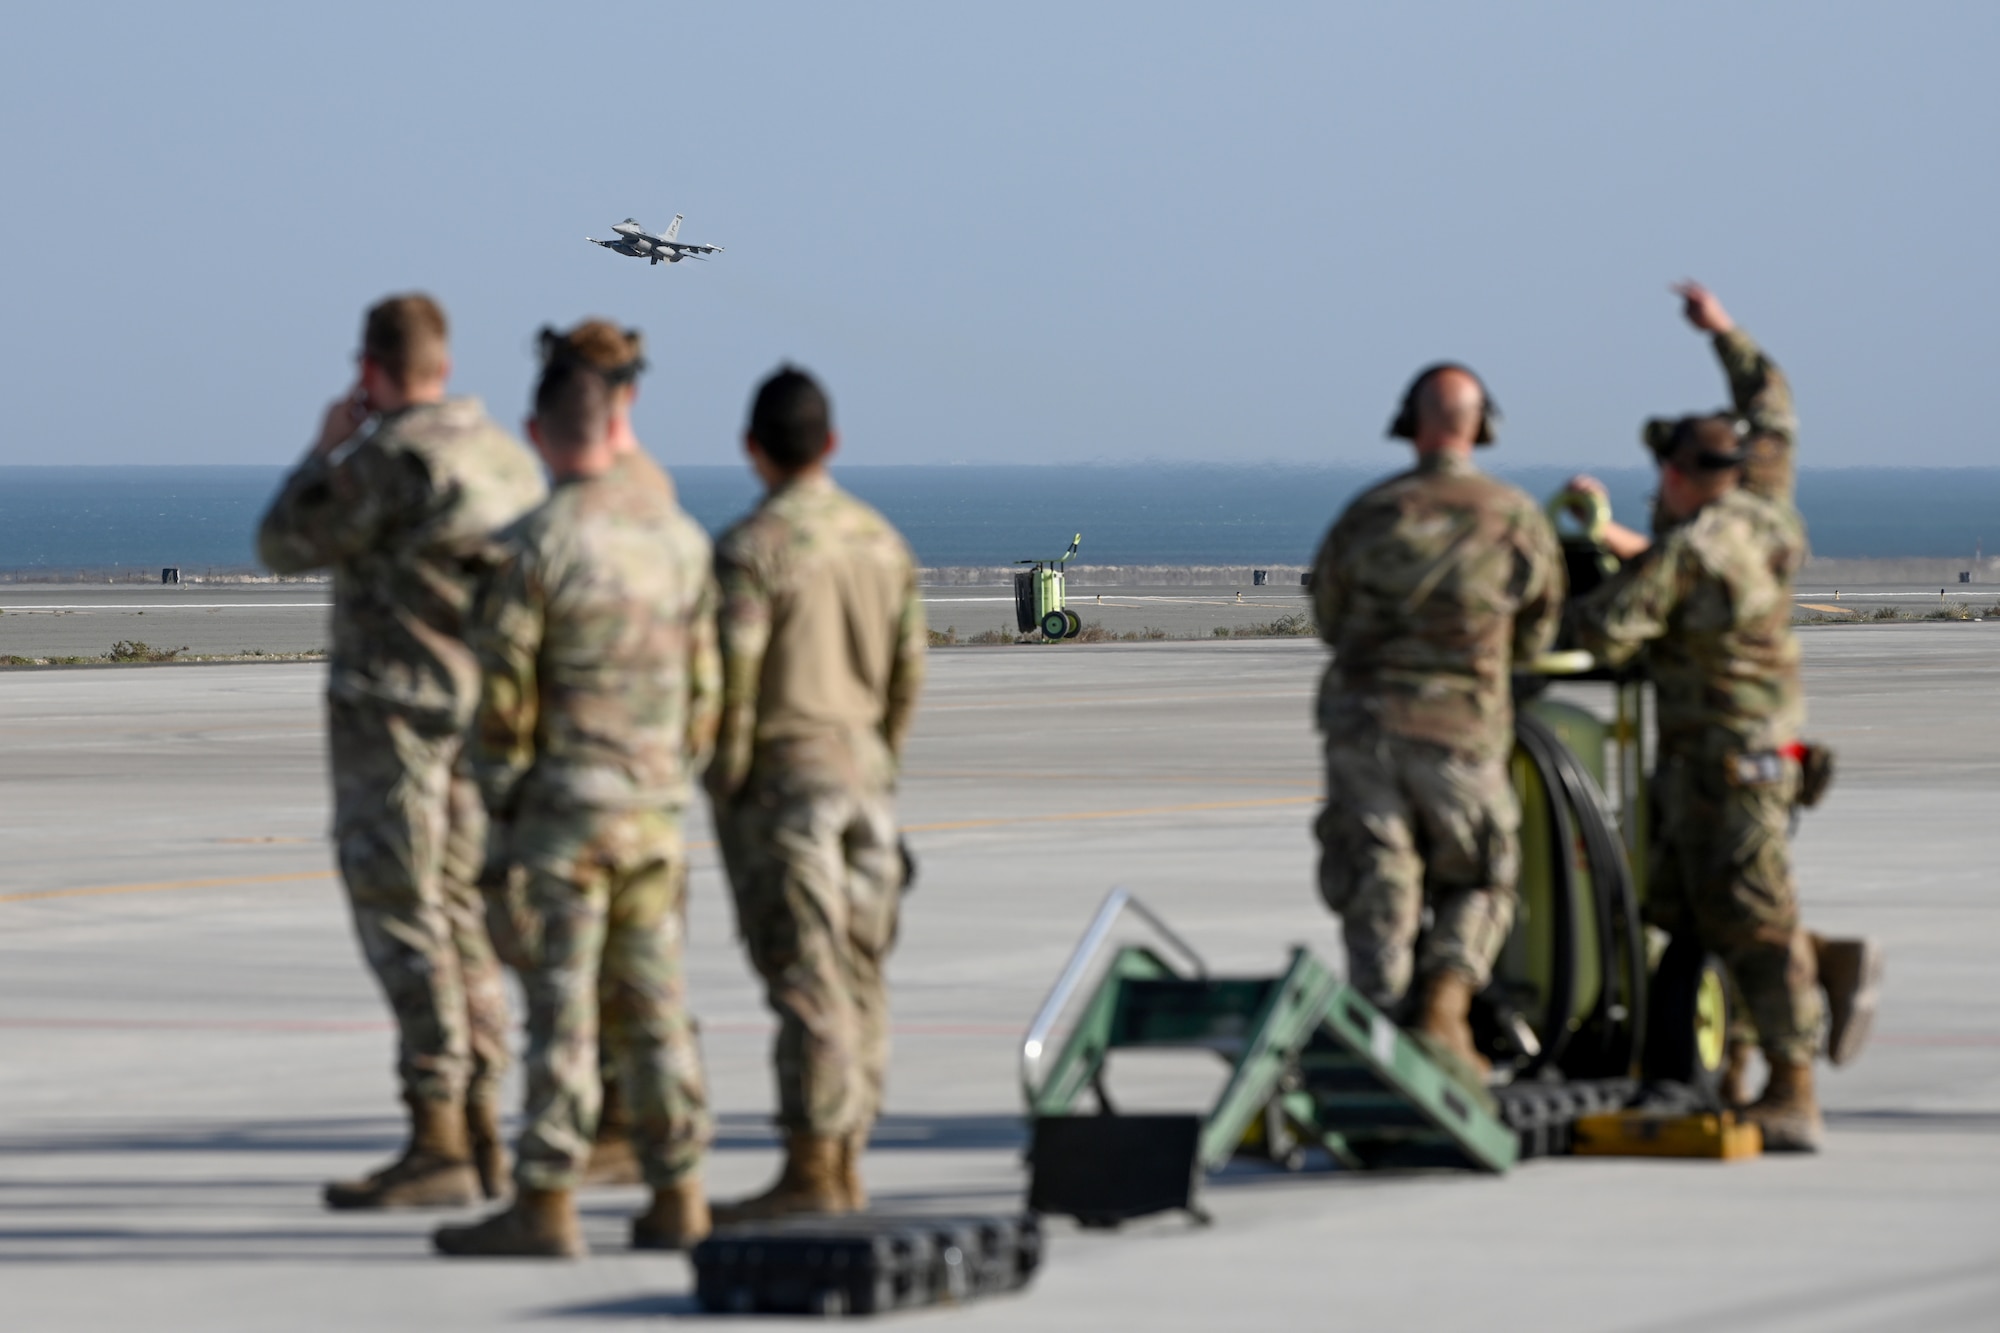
[1588,1010]
[1038,597]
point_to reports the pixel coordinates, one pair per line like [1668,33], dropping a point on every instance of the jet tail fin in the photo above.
[674,227]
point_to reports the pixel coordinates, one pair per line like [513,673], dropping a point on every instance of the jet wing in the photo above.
[687,249]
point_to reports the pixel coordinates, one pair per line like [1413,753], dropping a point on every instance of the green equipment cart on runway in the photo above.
[1588,1010]
[1038,597]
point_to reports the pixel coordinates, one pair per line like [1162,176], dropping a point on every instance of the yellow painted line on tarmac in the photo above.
[948,826]
[1078,816]
[165,885]
[1828,606]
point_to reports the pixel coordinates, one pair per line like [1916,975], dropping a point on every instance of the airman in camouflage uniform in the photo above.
[1429,587]
[1748,831]
[823,655]
[597,644]
[399,498]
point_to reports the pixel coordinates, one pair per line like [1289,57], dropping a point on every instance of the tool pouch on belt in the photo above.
[1815,772]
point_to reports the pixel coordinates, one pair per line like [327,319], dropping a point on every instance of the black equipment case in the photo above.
[863,1264]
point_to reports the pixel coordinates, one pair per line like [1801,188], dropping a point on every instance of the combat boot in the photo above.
[852,1146]
[678,1219]
[1850,971]
[1788,1113]
[810,1183]
[1443,1016]
[1734,1089]
[489,1149]
[435,1171]
[539,1224]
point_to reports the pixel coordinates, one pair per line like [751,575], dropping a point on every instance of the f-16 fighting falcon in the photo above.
[636,241]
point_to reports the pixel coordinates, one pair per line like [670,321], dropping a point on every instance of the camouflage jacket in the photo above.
[596,644]
[1429,588]
[1762,396]
[1713,599]
[822,635]
[403,513]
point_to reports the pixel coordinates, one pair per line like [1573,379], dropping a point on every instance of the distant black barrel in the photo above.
[170,574]
[1259,577]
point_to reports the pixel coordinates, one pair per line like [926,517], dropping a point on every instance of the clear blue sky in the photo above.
[1025,232]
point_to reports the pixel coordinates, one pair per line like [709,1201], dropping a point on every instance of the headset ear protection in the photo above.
[1404,427]
[1706,443]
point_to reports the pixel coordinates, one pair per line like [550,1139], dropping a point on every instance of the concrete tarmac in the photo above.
[189,1044]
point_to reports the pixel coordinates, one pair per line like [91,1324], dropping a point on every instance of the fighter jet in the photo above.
[636,241]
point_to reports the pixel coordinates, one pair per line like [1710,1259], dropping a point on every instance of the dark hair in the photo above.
[790,419]
[582,371]
[406,335]
[1709,443]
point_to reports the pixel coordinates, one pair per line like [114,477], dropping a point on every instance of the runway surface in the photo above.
[85,620]
[189,1043]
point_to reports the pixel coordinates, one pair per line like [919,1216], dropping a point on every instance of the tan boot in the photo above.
[539,1224]
[1788,1113]
[852,1147]
[1734,1090]
[1446,1002]
[489,1149]
[810,1183]
[435,1171]
[1850,971]
[678,1219]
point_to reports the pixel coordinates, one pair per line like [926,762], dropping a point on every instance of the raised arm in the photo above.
[337,504]
[1758,390]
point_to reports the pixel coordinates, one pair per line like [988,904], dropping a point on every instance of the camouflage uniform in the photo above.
[1712,598]
[1429,588]
[822,646]
[403,513]
[597,644]
[1763,398]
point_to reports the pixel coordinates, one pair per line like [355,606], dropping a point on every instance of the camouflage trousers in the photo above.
[817,877]
[1408,824]
[410,835]
[1721,867]
[593,915]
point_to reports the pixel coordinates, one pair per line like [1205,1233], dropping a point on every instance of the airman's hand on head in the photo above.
[343,417]
[1703,311]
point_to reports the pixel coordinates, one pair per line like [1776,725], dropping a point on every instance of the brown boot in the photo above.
[1787,1112]
[435,1171]
[489,1149]
[852,1146]
[678,1219]
[1850,971]
[539,1224]
[1446,1002]
[1734,1089]
[810,1183]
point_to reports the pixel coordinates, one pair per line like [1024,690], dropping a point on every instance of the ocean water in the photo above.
[69,518]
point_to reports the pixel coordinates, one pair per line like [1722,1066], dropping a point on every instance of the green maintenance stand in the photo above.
[1038,597]
[1313,1064]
